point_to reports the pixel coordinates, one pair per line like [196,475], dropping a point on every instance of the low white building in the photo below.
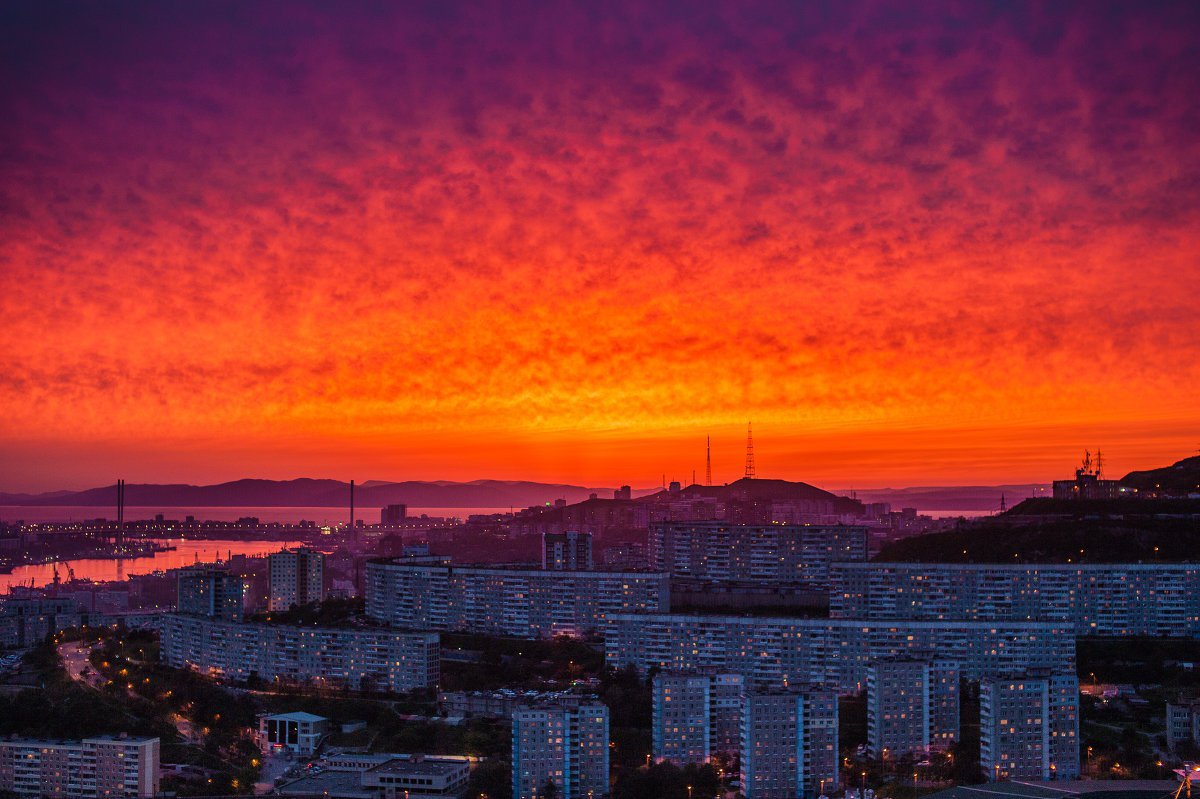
[382,775]
[299,733]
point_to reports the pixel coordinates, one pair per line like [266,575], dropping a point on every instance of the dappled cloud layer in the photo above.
[521,240]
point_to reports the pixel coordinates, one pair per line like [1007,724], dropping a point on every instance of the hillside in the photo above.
[1125,506]
[1182,477]
[760,490]
[1105,540]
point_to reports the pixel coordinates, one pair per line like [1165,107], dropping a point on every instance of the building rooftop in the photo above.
[332,784]
[298,715]
[431,766]
[1085,789]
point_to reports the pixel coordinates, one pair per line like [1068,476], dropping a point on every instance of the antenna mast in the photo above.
[708,460]
[749,452]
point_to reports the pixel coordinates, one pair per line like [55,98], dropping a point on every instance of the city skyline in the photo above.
[935,244]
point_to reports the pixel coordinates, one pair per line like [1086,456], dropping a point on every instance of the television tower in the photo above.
[708,460]
[749,452]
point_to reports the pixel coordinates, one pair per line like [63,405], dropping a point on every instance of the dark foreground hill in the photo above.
[1102,540]
[1182,477]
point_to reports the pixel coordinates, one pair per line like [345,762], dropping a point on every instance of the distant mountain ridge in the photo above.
[308,492]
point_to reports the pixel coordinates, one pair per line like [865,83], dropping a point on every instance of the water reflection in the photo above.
[184,554]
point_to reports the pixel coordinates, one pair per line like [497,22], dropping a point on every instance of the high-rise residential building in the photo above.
[897,707]
[94,767]
[912,706]
[1014,731]
[565,743]
[945,704]
[780,553]
[297,578]
[212,593]
[358,659]
[393,515]
[789,743]
[432,594]
[1063,691]
[831,652]
[682,723]
[1183,724]
[1029,727]
[726,702]
[696,716]
[1106,599]
[570,551]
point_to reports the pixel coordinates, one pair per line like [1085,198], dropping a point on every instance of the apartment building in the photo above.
[497,704]
[94,767]
[433,594]
[912,706]
[210,593]
[565,743]
[1029,727]
[695,717]
[1154,599]
[570,551]
[24,622]
[1183,724]
[831,652]
[789,743]
[681,719]
[297,577]
[378,660]
[775,553]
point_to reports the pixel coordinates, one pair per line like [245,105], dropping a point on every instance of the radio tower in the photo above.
[749,452]
[708,460]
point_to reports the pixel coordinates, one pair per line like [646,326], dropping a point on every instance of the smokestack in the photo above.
[120,536]
[351,506]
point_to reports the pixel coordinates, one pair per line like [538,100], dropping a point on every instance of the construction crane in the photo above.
[1189,772]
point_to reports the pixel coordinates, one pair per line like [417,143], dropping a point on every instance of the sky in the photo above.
[914,243]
